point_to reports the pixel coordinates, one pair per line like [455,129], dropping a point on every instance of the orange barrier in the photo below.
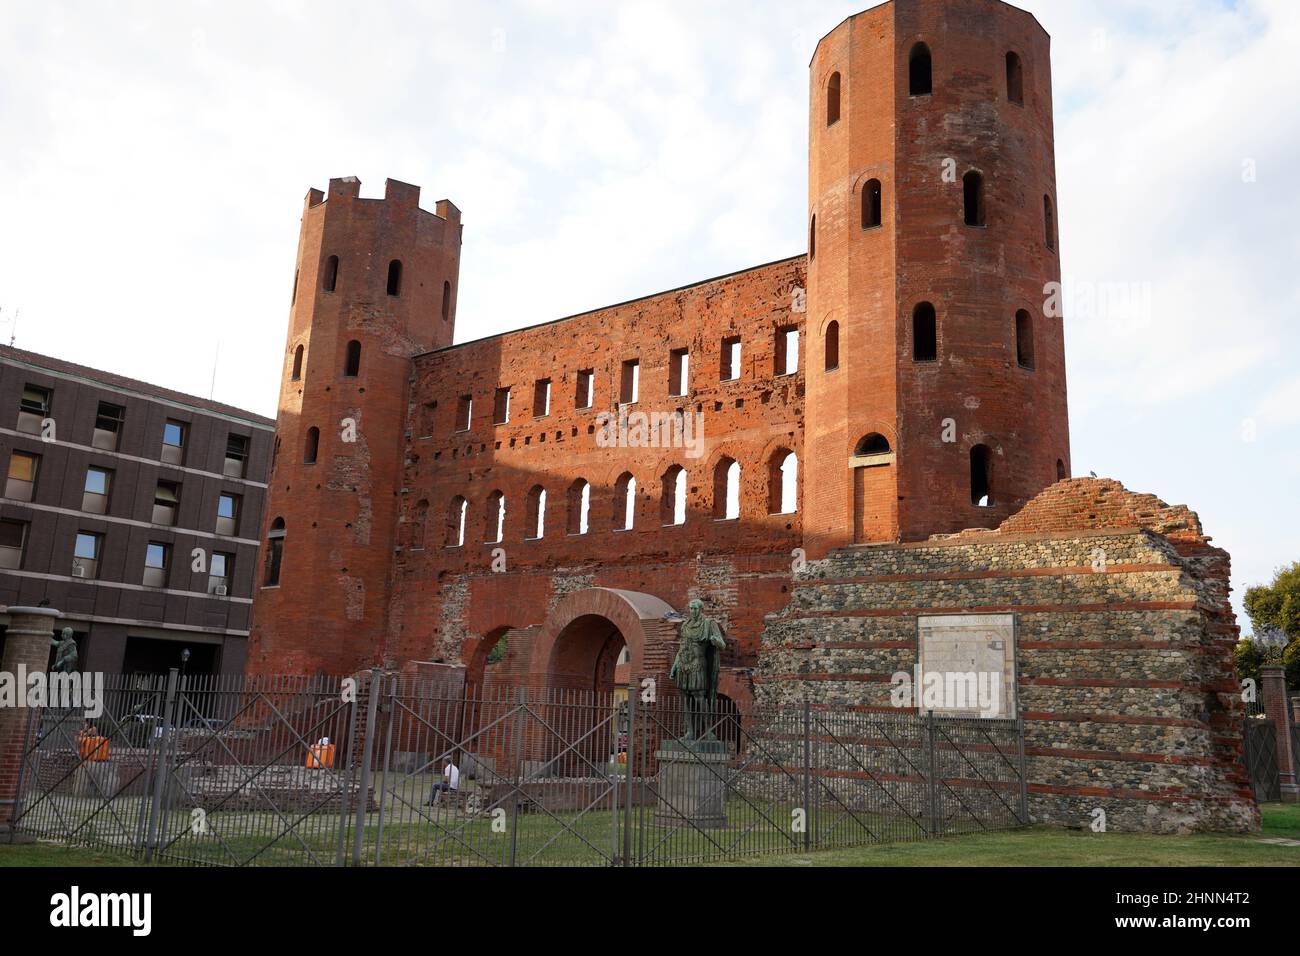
[94,749]
[320,757]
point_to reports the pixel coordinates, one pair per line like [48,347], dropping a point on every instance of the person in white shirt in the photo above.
[450,782]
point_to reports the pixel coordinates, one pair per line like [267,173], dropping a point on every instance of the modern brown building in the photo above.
[132,509]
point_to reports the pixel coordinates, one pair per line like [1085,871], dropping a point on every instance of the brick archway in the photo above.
[568,650]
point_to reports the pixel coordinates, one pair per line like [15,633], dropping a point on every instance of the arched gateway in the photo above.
[583,633]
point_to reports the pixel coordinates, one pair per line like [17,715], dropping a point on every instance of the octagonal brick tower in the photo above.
[909,417]
[375,285]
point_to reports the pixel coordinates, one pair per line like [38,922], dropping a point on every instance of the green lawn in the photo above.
[1039,846]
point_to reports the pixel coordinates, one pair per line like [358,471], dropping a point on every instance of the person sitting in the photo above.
[450,782]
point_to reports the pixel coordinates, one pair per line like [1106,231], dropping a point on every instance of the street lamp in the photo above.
[1272,641]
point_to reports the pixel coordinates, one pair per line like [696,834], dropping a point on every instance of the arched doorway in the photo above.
[585,655]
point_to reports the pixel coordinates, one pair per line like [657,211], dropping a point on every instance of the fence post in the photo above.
[807,770]
[632,693]
[160,777]
[1024,775]
[350,774]
[934,789]
[367,753]
[519,763]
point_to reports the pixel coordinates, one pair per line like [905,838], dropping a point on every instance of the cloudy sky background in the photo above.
[154,157]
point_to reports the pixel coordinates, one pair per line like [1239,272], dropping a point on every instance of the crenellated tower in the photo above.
[936,377]
[375,285]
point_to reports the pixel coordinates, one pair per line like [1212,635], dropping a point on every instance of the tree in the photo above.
[1278,605]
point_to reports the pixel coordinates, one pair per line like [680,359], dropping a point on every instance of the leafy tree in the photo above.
[1277,605]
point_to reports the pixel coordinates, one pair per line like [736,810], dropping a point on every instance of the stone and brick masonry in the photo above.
[394,450]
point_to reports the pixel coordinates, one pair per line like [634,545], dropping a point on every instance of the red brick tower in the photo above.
[934,375]
[375,285]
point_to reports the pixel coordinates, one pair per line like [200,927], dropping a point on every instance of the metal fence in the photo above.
[326,772]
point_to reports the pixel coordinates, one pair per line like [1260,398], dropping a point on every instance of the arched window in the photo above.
[352,364]
[579,506]
[1060,470]
[536,513]
[833,100]
[311,447]
[726,490]
[672,498]
[873,444]
[297,363]
[446,301]
[331,278]
[1024,339]
[1015,79]
[812,238]
[419,518]
[919,82]
[494,518]
[456,522]
[832,346]
[1049,223]
[395,278]
[981,477]
[293,296]
[925,333]
[625,503]
[274,554]
[973,198]
[783,483]
[871,204]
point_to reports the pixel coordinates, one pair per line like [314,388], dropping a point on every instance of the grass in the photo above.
[1038,846]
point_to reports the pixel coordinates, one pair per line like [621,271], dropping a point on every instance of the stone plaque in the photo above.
[967,665]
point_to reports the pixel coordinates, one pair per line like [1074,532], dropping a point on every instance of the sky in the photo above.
[154,157]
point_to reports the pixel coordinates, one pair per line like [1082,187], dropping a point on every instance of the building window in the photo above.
[630,387]
[812,238]
[832,346]
[293,294]
[1015,79]
[173,446]
[1060,470]
[973,198]
[579,507]
[220,572]
[331,274]
[672,498]
[311,447]
[236,456]
[542,398]
[981,477]
[925,333]
[871,204]
[427,419]
[536,513]
[501,407]
[456,522]
[871,446]
[157,558]
[23,468]
[228,507]
[585,395]
[85,555]
[94,497]
[352,363]
[1049,223]
[679,369]
[1024,339]
[494,518]
[33,409]
[730,370]
[726,490]
[787,350]
[833,100]
[783,483]
[625,503]
[919,71]
[166,503]
[464,413]
[446,301]
[13,542]
[297,363]
[274,554]
[108,426]
[395,278]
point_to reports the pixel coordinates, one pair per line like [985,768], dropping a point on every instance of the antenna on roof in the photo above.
[13,327]
[213,390]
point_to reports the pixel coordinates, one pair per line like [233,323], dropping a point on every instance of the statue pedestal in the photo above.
[692,784]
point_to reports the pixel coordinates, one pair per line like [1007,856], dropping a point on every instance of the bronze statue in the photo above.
[65,657]
[696,668]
